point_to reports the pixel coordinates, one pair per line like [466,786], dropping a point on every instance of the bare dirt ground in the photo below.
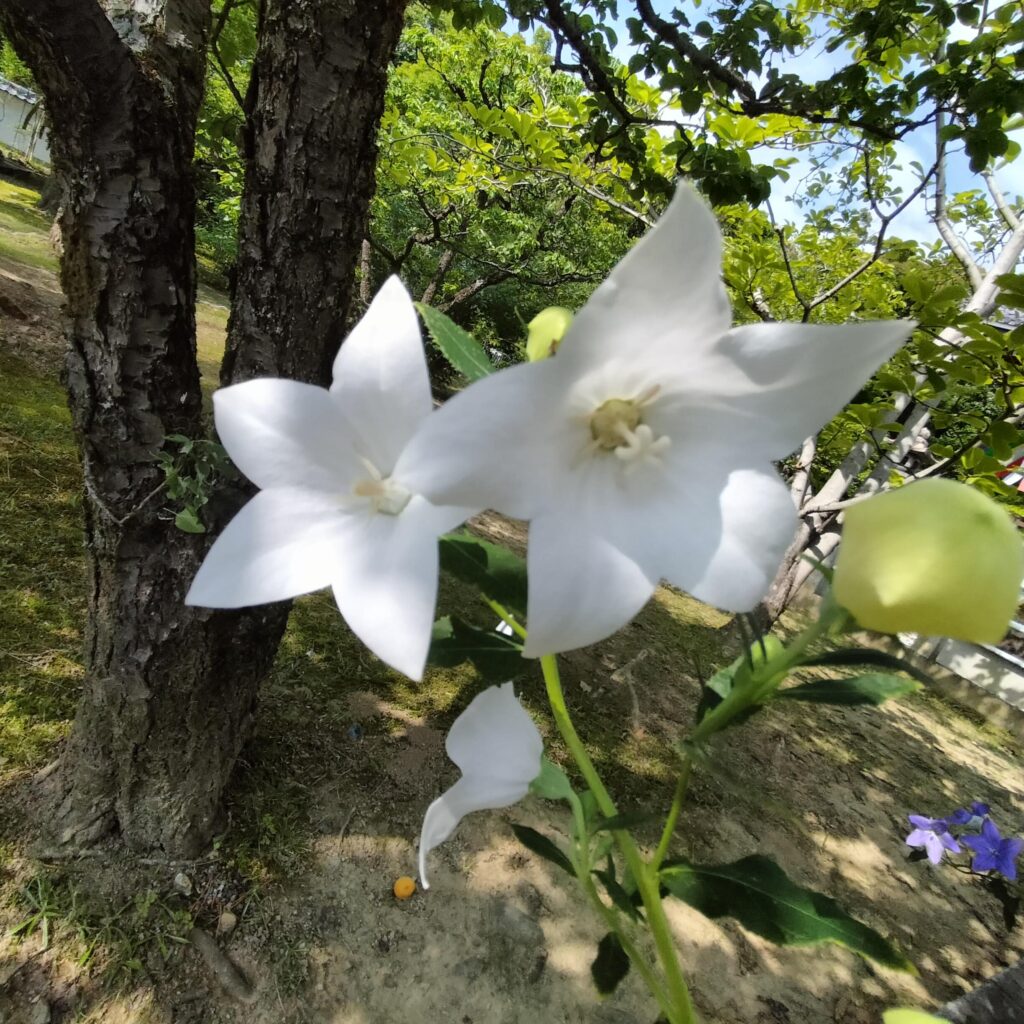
[500,938]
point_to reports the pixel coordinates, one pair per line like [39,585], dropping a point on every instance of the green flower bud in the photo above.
[935,557]
[910,1017]
[547,329]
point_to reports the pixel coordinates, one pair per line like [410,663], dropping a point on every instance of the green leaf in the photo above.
[610,965]
[760,896]
[552,783]
[622,821]
[493,655]
[459,347]
[868,656]
[543,847]
[870,689]
[492,569]
[623,900]
[188,521]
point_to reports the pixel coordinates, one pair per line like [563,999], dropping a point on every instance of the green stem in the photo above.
[680,1010]
[505,614]
[673,813]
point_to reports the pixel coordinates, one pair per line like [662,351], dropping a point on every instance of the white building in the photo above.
[21,122]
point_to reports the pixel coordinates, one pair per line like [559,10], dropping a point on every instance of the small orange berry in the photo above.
[404,888]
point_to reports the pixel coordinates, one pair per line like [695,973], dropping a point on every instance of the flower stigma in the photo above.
[617,426]
[386,495]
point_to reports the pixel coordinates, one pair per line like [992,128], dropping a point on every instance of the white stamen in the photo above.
[387,496]
[641,446]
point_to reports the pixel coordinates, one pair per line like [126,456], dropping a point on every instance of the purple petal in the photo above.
[985,860]
[933,844]
[1007,868]
[991,831]
[919,821]
[960,817]
[979,809]
[918,837]
[949,842]
[976,843]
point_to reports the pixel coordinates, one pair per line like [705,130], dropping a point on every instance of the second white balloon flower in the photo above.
[643,448]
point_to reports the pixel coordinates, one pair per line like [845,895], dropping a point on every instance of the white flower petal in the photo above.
[282,433]
[758,521]
[498,749]
[581,587]
[283,543]
[385,582]
[499,444]
[665,297]
[780,383]
[380,376]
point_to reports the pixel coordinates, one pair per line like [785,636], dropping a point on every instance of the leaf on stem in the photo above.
[493,570]
[493,655]
[867,656]
[543,847]
[761,897]
[459,347]
[869,689]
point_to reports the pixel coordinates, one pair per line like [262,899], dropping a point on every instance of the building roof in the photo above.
[22,93]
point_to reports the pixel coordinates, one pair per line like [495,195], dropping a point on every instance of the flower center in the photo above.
[618,426]
[386,495]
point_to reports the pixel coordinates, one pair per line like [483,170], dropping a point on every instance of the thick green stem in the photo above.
[502,612]
[680,1010]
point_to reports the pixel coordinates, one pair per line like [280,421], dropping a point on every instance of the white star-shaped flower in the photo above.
[498,748]
[643,448]
[332,509]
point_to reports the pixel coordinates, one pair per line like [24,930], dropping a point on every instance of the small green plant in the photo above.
[192,474]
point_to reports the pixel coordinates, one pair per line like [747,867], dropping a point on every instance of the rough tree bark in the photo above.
[315,100]
[170,692]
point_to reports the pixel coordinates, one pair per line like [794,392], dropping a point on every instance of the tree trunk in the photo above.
[316,98]
[170,692]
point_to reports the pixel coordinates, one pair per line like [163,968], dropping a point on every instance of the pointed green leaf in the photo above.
[459,347]
[552,783]
[868,656]
[761,897]
[493,570]
[623,900]
[188,521]
[610,965]
[493,655]
[870,689]
[543,847]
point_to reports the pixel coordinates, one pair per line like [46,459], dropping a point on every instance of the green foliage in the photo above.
[539,844]
[13,68]
[460,348]
[497,658]
[757,893]
[868,689]
[191,475]
[491,569]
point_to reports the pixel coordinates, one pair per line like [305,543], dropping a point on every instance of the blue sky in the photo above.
[816,64]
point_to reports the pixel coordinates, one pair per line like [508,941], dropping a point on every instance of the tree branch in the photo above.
[1010,217]
[956,244]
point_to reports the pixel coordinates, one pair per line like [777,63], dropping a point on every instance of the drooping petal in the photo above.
[920,821]
[380,376]
[664,299]
[949,842]
[283,433]
[777,384]
[918,837]
[499,444]
[465,797]
[933,846]
[498,748]
[1010,850]
[283,543]
[385,581]
[581,587]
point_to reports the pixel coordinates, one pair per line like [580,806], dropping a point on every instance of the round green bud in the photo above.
[910,1017]
[546,331]
[935,557]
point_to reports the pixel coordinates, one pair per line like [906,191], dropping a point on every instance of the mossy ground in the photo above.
[339,733]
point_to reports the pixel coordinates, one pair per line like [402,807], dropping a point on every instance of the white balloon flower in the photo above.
[643,449]
[498,748]
[333,509]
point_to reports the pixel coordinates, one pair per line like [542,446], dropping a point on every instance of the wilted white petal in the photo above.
[283,433]
[781,383]
[581,587]
[498,748]
[665,299]
[380,376]
[385,581]
[283,543]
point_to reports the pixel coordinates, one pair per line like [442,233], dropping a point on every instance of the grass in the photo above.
[24,228]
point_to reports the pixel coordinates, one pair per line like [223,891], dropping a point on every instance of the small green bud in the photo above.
[546,331]
[935,557]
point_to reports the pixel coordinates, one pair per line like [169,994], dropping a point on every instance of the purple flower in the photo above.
[994,853]
[972,816]
[933,835]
